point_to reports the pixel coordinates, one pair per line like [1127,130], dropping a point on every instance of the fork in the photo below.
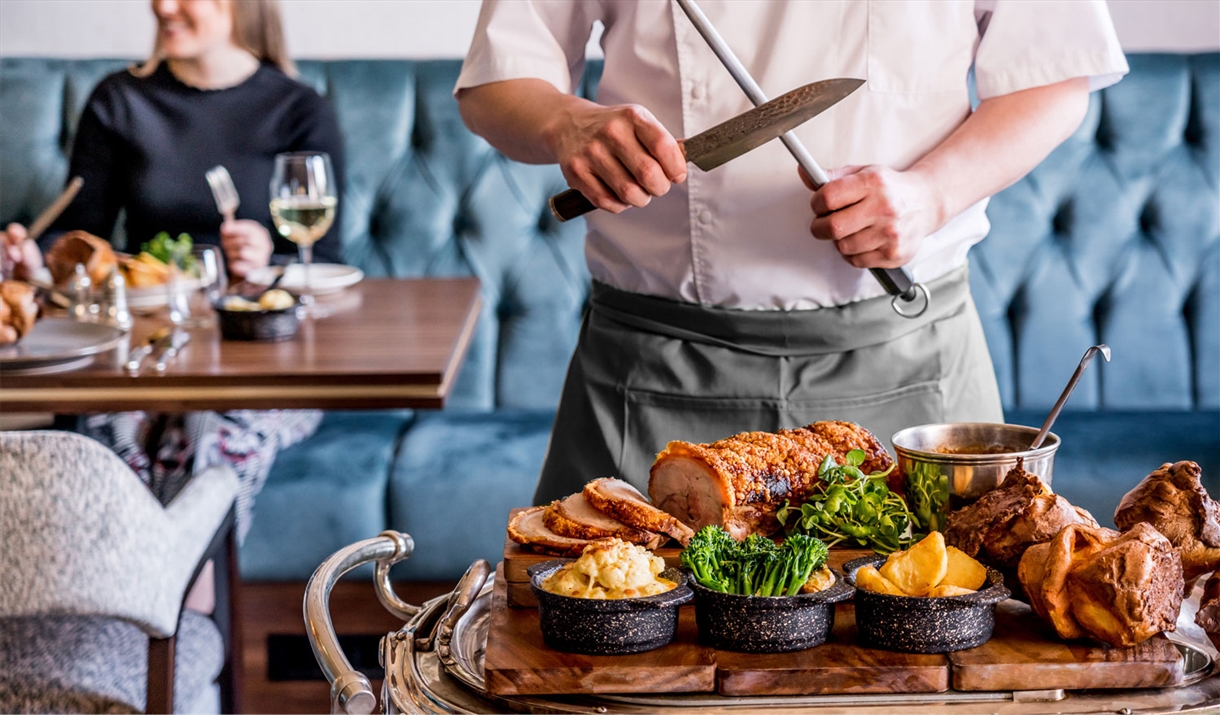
[223,191]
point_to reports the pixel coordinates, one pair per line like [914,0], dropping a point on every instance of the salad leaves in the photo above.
[848,505]
[928,496]
[171,251]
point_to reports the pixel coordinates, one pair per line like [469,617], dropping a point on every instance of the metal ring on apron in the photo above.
[898,300]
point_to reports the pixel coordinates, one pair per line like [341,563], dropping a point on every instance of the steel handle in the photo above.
[459,602]
[350,690]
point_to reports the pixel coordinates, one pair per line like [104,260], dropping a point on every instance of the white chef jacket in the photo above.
[738,236]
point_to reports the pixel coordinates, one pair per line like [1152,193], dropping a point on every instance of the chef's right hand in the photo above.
[618,156]
[21,259]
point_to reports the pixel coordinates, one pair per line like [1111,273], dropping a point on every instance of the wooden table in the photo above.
[388,343]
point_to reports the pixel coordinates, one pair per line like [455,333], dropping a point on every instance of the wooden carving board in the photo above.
[517,662]
[1025,654]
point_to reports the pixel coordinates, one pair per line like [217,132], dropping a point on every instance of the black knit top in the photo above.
[144,146]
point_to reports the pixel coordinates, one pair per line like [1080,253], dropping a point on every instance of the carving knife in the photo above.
[730,139]
[896,281]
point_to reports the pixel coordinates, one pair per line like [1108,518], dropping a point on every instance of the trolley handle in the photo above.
[350,690]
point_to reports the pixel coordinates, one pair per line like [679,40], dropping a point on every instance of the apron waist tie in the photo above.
[779,333]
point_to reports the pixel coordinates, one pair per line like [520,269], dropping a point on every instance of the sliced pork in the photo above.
[573,517]
[740,482]
[528,529]
[624,502]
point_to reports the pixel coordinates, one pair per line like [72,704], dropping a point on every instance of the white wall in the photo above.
[442,28]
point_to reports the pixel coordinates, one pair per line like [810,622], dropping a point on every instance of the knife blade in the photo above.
[157,339]
[898,282]
[732,138]
[177,340]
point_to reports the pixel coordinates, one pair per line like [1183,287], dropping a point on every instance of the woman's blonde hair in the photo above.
[257,28]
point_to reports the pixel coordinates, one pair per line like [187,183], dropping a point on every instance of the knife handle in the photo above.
[570,204]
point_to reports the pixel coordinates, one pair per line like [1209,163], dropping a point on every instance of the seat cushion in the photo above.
[1104,454]
[87,664]
[455,480]
[324,493]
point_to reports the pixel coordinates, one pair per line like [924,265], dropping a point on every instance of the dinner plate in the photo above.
[150,298]
[57,344]
[323,277]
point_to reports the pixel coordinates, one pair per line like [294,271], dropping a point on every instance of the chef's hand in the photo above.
[876,216]
[21,256]
[618,156]
[247,246]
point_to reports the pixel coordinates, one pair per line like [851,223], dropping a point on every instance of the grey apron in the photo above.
[648,370]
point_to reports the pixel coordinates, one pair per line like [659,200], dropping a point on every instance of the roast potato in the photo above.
[920,568]
[869,579]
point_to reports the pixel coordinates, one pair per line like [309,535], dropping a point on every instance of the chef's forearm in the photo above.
[1001,141]
[518,117]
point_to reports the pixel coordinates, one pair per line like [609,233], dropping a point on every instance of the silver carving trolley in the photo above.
[434,663]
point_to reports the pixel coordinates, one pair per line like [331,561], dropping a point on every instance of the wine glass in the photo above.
[303,201]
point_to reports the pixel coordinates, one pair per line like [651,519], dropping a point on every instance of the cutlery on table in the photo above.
[154,341]
[177,341]
[223,191]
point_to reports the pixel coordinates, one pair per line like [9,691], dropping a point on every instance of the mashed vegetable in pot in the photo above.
[611,568]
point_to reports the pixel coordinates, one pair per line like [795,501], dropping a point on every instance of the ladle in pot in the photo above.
[1067,391]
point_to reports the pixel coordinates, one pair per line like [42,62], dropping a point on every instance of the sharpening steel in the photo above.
[896,281]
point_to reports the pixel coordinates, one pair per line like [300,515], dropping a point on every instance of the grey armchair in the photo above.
[93,574]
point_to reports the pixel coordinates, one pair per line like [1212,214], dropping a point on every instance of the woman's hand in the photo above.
[617,156]
[876,216]
[247,246]
[20,253]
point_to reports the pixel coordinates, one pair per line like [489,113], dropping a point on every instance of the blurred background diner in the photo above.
[1115,238]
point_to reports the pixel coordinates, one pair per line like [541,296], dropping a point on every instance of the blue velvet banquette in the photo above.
[1115,238]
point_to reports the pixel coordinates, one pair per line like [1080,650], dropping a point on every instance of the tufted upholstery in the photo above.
[1114,238]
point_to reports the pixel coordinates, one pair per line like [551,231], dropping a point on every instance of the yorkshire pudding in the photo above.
[1173,500]
[1118,588]
[1003,523]
[80,247]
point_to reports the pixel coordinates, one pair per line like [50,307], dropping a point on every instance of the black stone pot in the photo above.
[261,325]
[914,624]
[607,627]
[767,624]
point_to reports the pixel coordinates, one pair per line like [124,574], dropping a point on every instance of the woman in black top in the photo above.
[218,90]
[148,136]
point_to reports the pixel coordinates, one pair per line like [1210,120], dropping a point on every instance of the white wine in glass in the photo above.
[303,201]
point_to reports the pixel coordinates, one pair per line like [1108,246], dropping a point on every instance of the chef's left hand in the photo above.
[876,216]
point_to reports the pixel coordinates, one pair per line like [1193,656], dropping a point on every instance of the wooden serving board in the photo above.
[1025,654]
[517,662]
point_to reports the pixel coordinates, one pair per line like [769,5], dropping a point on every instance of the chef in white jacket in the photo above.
[738,299]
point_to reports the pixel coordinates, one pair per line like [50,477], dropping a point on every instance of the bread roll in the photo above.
[18,311]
